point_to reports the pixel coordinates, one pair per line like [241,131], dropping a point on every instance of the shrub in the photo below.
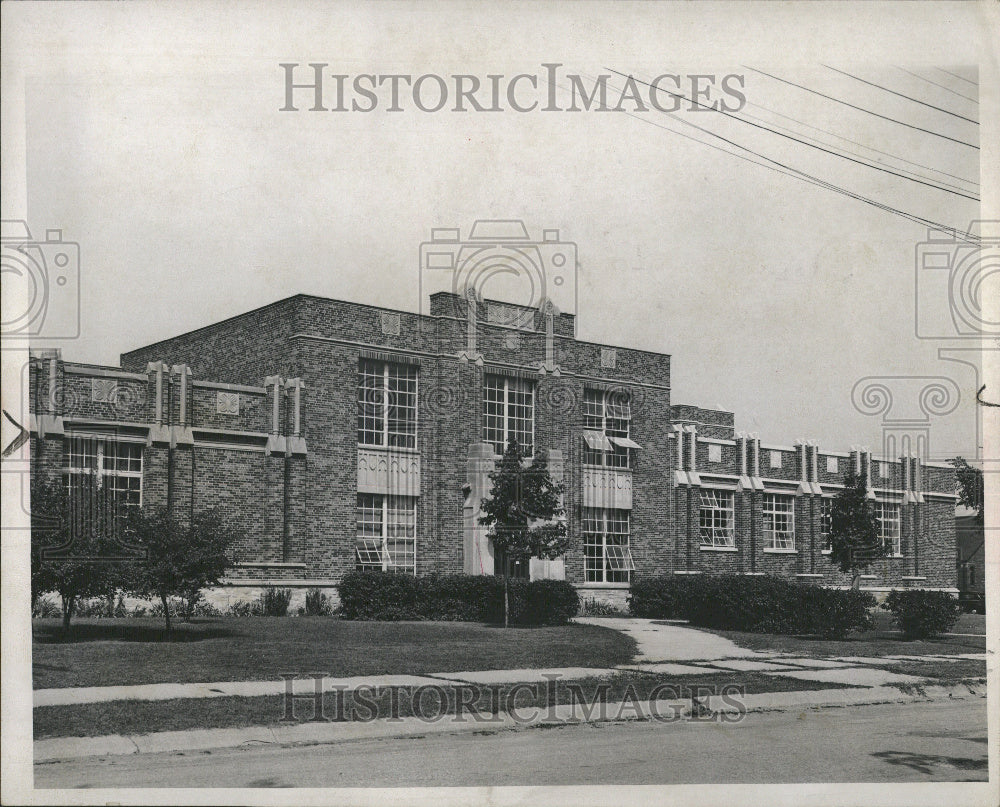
[467,598]
[594,607]
[920,613]
[761,604]
[274,601]
[44,608]
[317,604]
[243,608]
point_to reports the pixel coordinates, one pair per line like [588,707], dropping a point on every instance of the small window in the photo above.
[714,452]
[606,552]
[888,515]
[509,412]
[775,459]
[607,423]
[386,533]
[883,470]
[832,466]
[715,519]
[826,523]
[779,522]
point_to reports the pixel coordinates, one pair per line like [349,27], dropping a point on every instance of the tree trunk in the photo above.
[166,611]
[67,612]
[856,581]
[506,602]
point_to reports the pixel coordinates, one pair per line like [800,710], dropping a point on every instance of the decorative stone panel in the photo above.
[390,323]
[607,487]
[388,472]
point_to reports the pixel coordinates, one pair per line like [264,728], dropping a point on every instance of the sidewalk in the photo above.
[666,649]
[665,711]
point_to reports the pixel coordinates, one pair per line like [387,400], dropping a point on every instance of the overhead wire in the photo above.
[862,145]
[805,143]
[901,95]
[960,78]
[942,86]
[862,109]
[797,173]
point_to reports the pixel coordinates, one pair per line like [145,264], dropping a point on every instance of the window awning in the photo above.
[597,441]
[369,551]
[624,442]
[619,558]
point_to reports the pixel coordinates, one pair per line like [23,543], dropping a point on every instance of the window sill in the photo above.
[605,585]
[606,467]
[826,551]
[718,549]
[398,449]
[781,551]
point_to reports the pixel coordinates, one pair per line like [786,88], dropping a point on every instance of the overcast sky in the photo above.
[154,139]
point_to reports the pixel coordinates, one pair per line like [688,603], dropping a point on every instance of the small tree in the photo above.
[180,559]
[971,488]
[523,514]
[854,529]
[74,550]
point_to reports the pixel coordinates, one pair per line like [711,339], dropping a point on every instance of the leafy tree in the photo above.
[523,513]
[854,529]
[971,488]
[179,559]
[74,546]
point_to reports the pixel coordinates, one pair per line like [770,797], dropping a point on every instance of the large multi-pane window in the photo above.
[104,465]
[607,419]
[889,531]
[607,558]
[387,533]
[826,523]
[779,521]
[387,404]
[715,518]
[509,412]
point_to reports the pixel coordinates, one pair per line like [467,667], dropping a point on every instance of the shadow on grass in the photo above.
[118,632]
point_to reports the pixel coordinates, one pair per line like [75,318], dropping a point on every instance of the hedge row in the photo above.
[755,604]
[920,613]
[467,598]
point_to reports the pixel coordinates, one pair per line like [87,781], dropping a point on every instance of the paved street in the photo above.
[928,741]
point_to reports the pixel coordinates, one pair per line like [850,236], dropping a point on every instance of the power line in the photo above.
[946,89]
[803,142]
[867,111]
[955,75]
[943,184]
[862,145]
[907,97]
[806,177]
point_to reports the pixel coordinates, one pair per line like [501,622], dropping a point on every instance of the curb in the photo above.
[61,748]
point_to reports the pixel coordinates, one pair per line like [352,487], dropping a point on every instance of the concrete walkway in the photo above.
[661,647]
[658,641]
[62,748]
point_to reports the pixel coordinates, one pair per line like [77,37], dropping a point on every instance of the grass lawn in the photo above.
[134,717]
[883,641]
[109,652]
